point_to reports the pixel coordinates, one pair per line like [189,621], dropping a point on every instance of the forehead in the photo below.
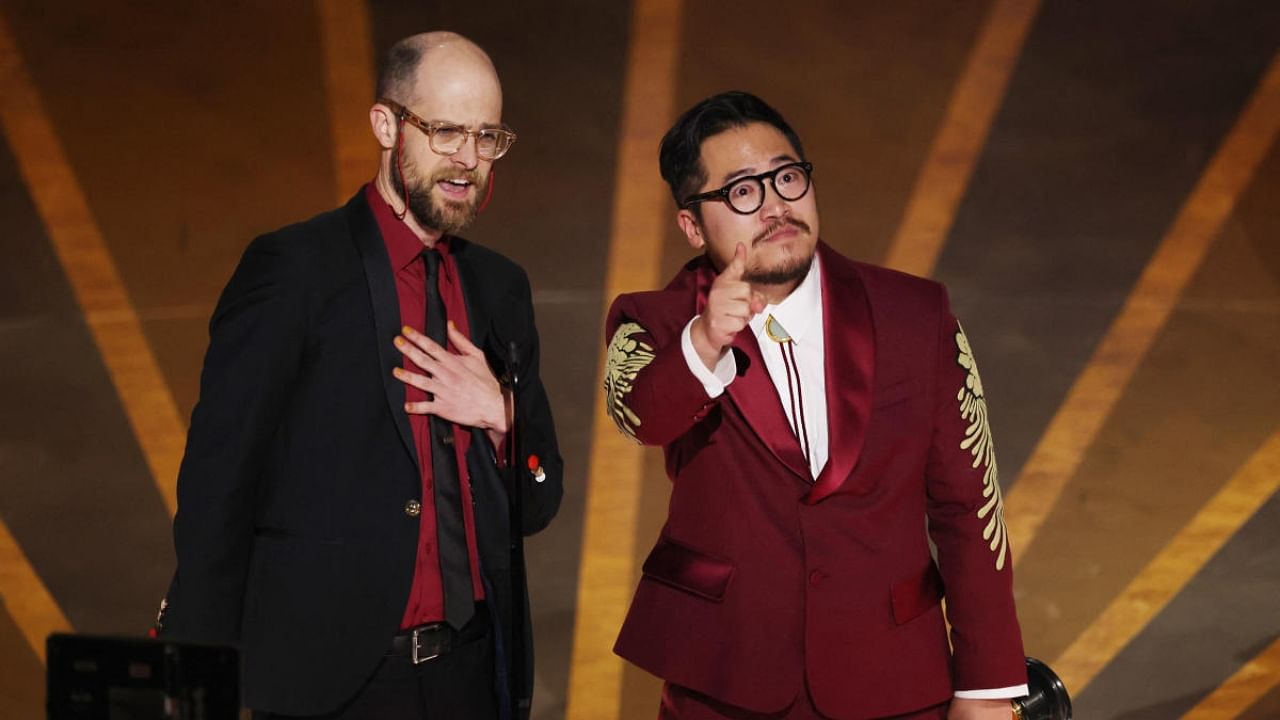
[744,150]
[457,91]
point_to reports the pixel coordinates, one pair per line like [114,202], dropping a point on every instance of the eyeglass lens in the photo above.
[448,139]
[789,181]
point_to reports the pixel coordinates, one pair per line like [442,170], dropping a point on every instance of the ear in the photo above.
[691,228]
[384,125]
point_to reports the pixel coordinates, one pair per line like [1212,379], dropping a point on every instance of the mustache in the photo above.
[775,227]
[471,176]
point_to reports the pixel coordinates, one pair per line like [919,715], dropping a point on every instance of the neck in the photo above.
[382,183]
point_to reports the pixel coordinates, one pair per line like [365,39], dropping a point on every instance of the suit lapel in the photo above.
[753,391]
[755,395]
[477,320]
[386,308]
[848,333]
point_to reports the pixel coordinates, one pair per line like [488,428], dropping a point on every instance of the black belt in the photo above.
[430,641]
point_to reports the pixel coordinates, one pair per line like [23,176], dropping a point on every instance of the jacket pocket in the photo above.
[684,568]
[917,594]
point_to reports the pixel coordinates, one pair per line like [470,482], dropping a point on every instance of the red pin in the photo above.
[533,463]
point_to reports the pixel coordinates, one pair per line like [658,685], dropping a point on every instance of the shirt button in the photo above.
[816,577]
[413,508]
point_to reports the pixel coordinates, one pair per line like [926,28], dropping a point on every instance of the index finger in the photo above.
[429,346]
[738,265]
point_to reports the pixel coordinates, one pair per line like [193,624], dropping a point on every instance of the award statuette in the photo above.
[1047,697]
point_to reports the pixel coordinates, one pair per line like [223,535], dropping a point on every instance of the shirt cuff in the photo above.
[1013,691]
[713,381]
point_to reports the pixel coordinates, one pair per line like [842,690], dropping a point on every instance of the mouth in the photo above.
[782,232]
[455,188]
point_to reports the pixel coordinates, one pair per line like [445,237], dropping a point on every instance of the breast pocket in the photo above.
[894,393]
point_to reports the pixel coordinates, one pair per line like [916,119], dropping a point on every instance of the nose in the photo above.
[774,205]
[467,156]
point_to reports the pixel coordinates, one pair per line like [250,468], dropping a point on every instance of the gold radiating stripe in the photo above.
[108,312]
[1097,389]
[945,174]
[640,213]
[1247,686]
[24,596]
[1169,572]
[349,78]
[88,265]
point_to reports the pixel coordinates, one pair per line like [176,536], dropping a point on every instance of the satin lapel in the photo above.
[477,322]
[755,395]
[849,333]
[386,309]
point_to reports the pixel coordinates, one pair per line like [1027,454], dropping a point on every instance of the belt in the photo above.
[433,640]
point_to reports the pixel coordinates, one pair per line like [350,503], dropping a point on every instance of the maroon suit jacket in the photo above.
[763,577]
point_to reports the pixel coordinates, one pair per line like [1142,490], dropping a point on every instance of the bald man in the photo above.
[343,506]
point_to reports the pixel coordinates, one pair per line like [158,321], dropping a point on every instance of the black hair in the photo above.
[395,79]
[680,155]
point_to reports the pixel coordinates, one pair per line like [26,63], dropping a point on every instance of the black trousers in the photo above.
[455,686]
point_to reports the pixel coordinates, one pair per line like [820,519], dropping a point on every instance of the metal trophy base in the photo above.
[1047,698]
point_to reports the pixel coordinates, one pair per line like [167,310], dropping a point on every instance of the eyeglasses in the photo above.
[448,138]
[746,195]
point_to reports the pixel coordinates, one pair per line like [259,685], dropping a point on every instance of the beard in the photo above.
[447,216]
[790,270]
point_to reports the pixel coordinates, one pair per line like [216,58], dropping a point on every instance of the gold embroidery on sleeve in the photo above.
[977,440]
[627,357]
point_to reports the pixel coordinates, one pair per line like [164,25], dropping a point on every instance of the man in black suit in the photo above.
[343,505]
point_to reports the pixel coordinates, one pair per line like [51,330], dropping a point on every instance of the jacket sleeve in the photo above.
[966,520]
[256,338]
[650,392]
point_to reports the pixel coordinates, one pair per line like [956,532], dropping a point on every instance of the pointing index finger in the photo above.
[738,265]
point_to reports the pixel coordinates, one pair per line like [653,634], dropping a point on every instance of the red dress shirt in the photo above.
[426,597]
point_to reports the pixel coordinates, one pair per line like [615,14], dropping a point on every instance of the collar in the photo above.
[403,247]
[798,312]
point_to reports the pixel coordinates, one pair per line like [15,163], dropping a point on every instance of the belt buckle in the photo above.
[419,632]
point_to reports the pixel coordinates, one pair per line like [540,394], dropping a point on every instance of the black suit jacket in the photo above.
[291,533]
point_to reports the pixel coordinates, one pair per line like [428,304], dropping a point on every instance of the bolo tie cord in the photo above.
[799,424]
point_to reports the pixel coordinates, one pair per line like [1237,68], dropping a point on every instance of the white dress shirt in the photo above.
[801,314]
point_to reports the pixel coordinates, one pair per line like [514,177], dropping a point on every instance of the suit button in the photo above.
[816,577]
[413,508]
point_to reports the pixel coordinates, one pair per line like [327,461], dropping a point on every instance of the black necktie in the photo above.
[451,536]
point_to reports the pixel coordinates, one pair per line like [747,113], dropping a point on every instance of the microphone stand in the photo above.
[521,706]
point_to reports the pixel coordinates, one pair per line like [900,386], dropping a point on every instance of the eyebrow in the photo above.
[483,126]
[730,177]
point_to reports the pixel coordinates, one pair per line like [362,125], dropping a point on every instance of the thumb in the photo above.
[738,265]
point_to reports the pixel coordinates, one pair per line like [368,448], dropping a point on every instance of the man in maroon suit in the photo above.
[817,414]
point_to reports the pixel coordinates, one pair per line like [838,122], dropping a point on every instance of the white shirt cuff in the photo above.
[713,381]
[1013,691]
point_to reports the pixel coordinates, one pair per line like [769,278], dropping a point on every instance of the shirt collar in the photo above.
[403,247]
[799,311]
